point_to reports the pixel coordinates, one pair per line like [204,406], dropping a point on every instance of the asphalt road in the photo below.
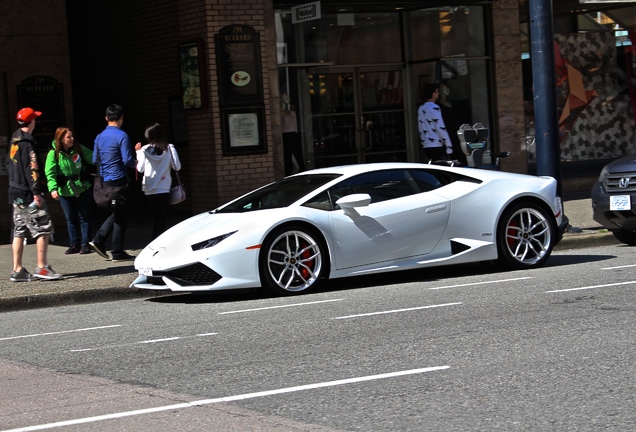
[470,349]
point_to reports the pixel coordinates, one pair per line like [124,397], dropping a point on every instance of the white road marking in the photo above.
[593,286]
[142,342]
[277,307]
[60,332]
[396,311]
[480,283]
[159,340]
[226,399]
[618,267]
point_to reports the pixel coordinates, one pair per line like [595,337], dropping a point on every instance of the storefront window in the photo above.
[448,32]
[346,75]
[344,38]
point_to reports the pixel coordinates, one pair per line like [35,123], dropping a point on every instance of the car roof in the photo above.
[481,174]
[361,168]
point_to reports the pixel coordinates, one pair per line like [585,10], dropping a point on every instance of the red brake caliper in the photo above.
[511,233]
[305,255]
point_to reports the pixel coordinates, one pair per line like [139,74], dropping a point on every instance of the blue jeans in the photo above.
[78,216]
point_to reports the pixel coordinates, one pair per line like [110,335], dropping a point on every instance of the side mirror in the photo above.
[354,200]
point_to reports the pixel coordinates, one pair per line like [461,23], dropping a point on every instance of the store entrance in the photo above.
[357,115]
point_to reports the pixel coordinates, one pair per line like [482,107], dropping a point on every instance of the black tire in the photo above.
[525,236]
[625,236]
[293,259]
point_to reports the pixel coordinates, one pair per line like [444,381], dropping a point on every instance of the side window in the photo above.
[320,202]
[380,185]
[425,181]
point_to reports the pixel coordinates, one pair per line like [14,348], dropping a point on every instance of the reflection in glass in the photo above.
[342,38]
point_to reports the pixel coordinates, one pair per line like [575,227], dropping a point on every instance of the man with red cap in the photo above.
[26,187]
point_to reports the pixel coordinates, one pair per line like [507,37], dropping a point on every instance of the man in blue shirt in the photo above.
[113,155]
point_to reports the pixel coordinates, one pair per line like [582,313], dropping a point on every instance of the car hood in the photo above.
[208,225]
[624,164]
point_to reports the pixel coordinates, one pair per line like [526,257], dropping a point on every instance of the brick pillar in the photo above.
[509,84]
[216,178]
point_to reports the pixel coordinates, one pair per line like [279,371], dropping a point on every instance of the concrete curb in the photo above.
[67,298]
[586,239]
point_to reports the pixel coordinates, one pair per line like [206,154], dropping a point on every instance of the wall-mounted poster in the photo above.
[193,75]
[239,66]
[243,131]
[45,94]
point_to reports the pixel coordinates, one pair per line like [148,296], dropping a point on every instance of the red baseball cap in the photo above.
[25,115]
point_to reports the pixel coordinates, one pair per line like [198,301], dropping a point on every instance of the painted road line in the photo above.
[60,332]
[278,307]
[226,399]
[396,311]
[593,286]
[480,283]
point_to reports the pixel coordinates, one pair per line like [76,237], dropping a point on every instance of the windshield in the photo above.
[278,194]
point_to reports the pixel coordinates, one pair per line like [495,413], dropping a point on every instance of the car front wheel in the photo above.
[292,260]
[525,236]
[625,236]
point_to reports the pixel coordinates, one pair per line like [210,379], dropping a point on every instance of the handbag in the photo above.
[177,192]
[106,196]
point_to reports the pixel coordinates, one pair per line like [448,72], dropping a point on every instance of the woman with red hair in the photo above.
[68,173]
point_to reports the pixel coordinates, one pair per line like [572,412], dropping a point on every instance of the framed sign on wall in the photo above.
[193,82]
[243,131]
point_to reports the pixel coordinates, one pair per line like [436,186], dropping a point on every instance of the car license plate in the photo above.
[620,202]
[145,271]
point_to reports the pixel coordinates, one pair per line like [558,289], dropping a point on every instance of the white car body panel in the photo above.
[414,231]
[388,230]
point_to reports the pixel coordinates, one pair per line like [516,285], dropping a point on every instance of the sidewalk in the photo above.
[90,278]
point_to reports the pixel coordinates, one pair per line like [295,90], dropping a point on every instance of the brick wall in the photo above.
[234,175]
[509,85]
[128,54]
[33,41]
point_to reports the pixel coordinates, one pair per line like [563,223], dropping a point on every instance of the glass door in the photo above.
[357,115]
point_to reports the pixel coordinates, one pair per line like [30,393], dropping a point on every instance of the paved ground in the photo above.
[90,278]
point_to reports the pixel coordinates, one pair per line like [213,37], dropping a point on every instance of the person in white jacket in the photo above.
[154,161]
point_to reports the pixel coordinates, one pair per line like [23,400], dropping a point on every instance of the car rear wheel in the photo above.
[625,236]
[525,236]
[292,260]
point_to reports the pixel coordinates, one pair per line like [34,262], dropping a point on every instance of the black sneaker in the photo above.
[72,250]
[99,249]
[86,249]
[21,276]
[123,256]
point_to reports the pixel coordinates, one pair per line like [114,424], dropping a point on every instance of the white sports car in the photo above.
[354,220]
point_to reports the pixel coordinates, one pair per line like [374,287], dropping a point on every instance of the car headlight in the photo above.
[604,172]
[211,242]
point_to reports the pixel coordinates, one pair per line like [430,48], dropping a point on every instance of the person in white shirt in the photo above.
[436,144]
[154,161]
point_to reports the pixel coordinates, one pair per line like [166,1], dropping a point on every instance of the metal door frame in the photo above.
[358,111]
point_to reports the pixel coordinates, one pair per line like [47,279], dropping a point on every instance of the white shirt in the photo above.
[431,126]
[156,168]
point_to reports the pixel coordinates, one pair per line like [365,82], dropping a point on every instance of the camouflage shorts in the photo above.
[37,221]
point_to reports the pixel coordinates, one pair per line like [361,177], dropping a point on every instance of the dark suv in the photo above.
[614,199]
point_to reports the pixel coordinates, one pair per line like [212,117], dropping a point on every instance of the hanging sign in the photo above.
[305,12]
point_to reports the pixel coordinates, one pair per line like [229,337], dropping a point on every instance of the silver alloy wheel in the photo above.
[528,236]
[294,261]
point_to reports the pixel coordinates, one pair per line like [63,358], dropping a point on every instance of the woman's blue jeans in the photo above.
[78,216]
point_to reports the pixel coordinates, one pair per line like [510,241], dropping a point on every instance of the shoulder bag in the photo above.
[107,197]
[177,192]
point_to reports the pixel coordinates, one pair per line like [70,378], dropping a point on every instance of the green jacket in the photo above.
[69,173]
